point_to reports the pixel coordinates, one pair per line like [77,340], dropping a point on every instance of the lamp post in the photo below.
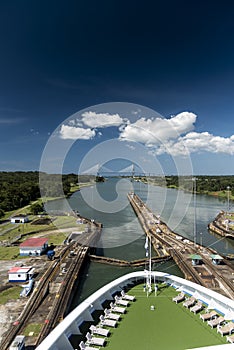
[228,189]
[201,239]
[195,212]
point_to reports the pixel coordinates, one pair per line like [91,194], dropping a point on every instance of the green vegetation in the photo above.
[169,326]
[56,185]
[77,187]
[10,293]
[36,208]
[9,232]
[100,179]
[57,238]
[17,233]
[33,328]
[205,184]
[65,221]
[9,253]
[18,189]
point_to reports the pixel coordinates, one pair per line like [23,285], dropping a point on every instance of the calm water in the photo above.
[122,235]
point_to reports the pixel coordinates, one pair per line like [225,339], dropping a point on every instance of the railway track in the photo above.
[59,306]
[42,288]
[35,300]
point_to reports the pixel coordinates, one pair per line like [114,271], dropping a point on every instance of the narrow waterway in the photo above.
[122,235]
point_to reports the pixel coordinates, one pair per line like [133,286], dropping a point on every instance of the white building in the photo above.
[34,246]
[19,219]
[20,274]
[18,343]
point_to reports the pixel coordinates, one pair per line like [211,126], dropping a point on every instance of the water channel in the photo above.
[122,235]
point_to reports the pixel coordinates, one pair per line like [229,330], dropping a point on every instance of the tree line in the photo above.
[19,188]
[200,183]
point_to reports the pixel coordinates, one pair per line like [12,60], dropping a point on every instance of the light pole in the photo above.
[228,189]
[201,239]
[195,212]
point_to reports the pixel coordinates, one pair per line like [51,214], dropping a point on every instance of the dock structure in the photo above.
[194,260]
[221,225]
[133,263]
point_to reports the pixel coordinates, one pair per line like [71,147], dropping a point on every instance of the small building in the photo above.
[18,343]
[216,259]
[34,246]
[19,219]
[196,259]
[20,274]
[74,236]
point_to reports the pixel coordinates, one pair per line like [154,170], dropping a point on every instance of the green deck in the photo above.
[169,326]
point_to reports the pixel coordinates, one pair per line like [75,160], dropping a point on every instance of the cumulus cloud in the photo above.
[197,142]
[75,133]
[175,136]
[154,131]
[207,142]
[101,120]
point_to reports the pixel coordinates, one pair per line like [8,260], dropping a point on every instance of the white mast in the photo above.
[195,212]
[150,264]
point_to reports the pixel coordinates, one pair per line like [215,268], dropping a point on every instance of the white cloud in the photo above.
[175,136]
[101,120]
[195,142]
[155,131]
[72,122]
[207,142]
[75,133]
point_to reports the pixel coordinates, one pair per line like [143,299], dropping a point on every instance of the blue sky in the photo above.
[61,57]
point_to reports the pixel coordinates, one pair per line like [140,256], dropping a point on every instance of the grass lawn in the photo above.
[33,328]
[65,221]
[169,326]
[9,253]
[9,231]
[10,293]
[57,238]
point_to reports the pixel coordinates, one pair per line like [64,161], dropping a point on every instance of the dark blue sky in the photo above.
[58,57]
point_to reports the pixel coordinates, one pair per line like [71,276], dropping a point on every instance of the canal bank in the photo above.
[223,224]
[122,235]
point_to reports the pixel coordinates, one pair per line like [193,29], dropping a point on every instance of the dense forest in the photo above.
[204,184]
[200,183]
[18,189]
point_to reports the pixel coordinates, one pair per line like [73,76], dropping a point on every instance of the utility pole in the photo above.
[228,198]
[195,211]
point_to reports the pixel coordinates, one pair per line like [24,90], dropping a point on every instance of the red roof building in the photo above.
[34,246]
[20,274]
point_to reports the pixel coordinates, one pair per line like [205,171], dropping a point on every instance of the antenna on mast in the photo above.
[148,255]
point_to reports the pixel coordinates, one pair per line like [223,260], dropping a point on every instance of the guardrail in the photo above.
[59,337]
